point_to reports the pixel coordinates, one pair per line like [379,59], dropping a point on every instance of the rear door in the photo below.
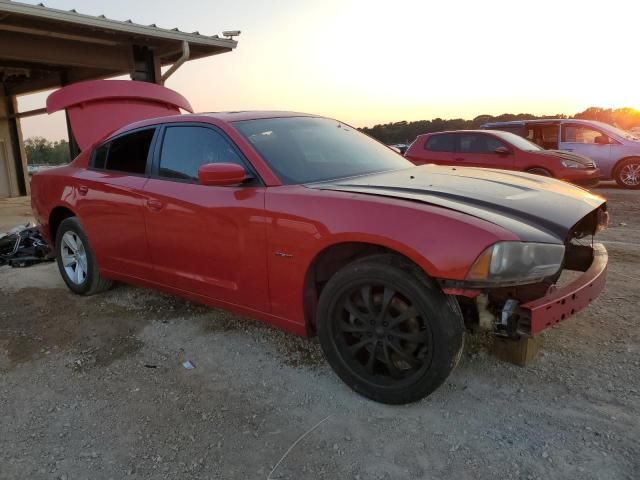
[435,148]
[111,203]
[475,149]
[586,140]
[209,240]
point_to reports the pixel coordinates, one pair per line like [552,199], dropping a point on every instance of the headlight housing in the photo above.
[516,263]
[572,164]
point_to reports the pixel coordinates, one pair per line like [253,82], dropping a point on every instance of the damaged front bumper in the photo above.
[526,310]
[559,304]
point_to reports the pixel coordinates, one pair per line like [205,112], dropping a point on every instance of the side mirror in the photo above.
[602,140]
[502,151]
[221,174]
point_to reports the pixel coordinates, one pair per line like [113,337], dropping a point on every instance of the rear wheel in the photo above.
[627,173]
[387,331]
[539,171]
[76,261]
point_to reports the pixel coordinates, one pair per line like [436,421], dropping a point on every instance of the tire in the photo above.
[76,261]
[417,338]
[627,173]
[540,171]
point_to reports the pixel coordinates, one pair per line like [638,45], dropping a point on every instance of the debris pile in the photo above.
[23,246]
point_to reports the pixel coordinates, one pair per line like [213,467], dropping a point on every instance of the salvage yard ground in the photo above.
[94,388]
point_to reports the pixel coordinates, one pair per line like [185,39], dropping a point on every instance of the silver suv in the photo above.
[615,151]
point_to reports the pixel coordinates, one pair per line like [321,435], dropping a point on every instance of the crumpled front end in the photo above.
[526,310]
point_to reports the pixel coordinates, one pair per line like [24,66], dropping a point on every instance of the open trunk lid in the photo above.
[98,107]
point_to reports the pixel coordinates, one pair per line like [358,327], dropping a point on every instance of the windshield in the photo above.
[307,149]
[617,131]
[517,141]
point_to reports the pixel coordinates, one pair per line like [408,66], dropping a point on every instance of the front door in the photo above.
[209,240]
[588,141]
[483,150]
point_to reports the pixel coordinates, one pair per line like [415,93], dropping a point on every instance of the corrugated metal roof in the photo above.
[104,23]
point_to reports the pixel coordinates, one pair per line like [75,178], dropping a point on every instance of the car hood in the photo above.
[535,208]
[564,155]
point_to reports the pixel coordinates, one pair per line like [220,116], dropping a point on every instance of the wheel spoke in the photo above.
[70,240]
[403,317]
[79,273]
[391,367]
[372,357]
[351,328]
[368,299]
[67,260]
[416,337]
[386,301]
[414,362]
[356,347]
[353,310]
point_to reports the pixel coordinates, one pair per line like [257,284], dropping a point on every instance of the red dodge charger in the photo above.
[503,150]
[309,225]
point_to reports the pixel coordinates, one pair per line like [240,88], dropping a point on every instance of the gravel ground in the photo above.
[94,388]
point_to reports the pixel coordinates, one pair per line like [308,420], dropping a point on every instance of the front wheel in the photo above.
[388,332]
[627,173]
[539,171]
[76,261]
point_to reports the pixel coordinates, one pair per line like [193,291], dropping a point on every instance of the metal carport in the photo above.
[43,48]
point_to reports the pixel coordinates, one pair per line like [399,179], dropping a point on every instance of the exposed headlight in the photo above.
[603,220]
[572,164]
[516,263]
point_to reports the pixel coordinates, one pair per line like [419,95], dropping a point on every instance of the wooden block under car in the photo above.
[519,352]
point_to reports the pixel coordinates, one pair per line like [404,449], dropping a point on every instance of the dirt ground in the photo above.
[94,388]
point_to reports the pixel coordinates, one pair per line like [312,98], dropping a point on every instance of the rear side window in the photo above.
[185,149]
[127,154]
[100,157]
[440,143]
[478,143]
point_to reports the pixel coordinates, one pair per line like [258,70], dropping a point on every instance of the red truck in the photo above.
[311,226]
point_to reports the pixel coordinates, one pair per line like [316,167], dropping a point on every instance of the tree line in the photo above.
[41,151]
[406,132]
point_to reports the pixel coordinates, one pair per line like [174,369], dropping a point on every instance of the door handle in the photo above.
[83,190]
[459,159]
[154,204]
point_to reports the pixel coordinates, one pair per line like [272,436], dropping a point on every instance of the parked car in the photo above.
[311,226]
[503,150]
[615,151]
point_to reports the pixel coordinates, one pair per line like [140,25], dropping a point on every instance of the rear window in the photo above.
[440,143]
[127,154]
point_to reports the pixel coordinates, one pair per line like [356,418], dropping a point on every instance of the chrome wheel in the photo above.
[630,174]
[74,258]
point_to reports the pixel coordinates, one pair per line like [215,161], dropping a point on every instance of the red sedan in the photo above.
[309,225]
[503,150]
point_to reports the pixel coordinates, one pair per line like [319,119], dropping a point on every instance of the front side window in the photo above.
[441,143]
[582,134]
[127,153]
[308,149]
[478,143]
[186,148]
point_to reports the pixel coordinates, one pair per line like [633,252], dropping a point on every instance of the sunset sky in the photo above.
[374,61]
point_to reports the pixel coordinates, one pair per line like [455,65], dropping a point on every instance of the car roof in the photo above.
[540,120]
[486,132]
[240,115]
[227,117]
